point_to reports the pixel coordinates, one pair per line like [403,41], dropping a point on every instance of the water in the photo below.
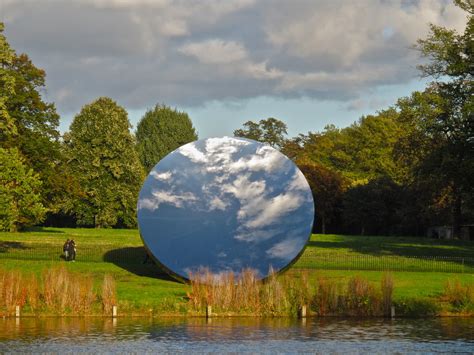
[445,335]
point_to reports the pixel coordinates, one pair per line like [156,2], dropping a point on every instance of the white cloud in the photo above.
[192,52]
[273,209]
[256,235]
[298,181]
[193,153]
[161,176]
[265,158]
[215,51]
[166,197]
[217,204]
[286,249]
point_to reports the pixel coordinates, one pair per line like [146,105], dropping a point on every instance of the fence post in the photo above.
[114,311]
[17,311]
[302,311]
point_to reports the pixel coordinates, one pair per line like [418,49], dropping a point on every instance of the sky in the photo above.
[225,204]
[307,63]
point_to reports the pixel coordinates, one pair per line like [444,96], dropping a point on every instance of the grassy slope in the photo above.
[142,286]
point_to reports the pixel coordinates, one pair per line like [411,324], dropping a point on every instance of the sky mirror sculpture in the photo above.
[225,204]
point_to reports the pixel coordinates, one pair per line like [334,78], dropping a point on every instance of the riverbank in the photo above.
[142,290]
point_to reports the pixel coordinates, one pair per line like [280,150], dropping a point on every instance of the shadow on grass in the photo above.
[44,230]
[132,259]
[5,246]
[400,246]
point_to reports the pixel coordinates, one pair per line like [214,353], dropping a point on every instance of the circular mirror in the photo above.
[225,204]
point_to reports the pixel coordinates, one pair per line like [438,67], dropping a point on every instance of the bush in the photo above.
[417,307]
[459,296]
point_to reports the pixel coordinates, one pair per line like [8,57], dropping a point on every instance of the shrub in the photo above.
[457,295]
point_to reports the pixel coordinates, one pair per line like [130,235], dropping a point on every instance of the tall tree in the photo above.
[360,152]
[20,200]
[102,155]
[160,131]
[7,83]
[442,117]
[270,131]
[30,124]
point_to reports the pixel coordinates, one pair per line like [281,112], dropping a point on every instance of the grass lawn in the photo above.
[120,253]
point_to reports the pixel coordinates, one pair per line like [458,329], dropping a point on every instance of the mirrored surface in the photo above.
[225,204]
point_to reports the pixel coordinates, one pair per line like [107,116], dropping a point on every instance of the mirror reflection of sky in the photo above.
[225,204]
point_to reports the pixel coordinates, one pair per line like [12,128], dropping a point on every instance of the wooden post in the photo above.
[392,312]
[114,311]
[303,311]
[208,311]
[17,311]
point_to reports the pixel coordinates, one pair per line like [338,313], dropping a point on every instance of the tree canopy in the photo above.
[160,131]
[20,199]
[270,131]
[101,154]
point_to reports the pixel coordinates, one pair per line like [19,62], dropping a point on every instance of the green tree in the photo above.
[20,200]
[270,131]
[360,152]
[160,131]
[328,188]
[7,83]
[372,208]
[29,123]
[102,156]
[439,146]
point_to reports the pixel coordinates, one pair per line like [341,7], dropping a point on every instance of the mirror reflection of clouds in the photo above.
[225,204]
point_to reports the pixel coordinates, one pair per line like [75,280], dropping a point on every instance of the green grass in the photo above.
[143,287]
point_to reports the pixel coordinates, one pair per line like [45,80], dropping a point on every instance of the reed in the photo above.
[326,299]
[386,286]
[457,295]
[108,294]
[362,299]
[57,290]
[12,291]
[33,292]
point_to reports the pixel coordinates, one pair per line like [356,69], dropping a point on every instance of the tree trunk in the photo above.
[457,214]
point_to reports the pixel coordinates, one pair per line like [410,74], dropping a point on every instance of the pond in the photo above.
[237,335]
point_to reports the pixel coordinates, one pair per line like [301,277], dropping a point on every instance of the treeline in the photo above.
[399,171]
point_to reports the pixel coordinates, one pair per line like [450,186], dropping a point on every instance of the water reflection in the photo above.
[237,334]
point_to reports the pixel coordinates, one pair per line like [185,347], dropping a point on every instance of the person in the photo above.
[66,250]
[72,250]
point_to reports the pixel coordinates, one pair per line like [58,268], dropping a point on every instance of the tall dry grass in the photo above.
[458,295]
[386,286]
[245,294]
[57,290]
[108,294]
[13,292]
[284,295]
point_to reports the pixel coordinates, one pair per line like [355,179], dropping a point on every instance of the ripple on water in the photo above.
[237,335]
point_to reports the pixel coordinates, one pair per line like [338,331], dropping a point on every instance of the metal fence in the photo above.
[450,264]
[308,261]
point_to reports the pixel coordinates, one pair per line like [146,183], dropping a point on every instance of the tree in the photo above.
[327,187]
[270,131]
[102,156]
[7,82]
[442,117]
[372,208]
[29,123]
[160,131]
[360,152]
[20,200]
